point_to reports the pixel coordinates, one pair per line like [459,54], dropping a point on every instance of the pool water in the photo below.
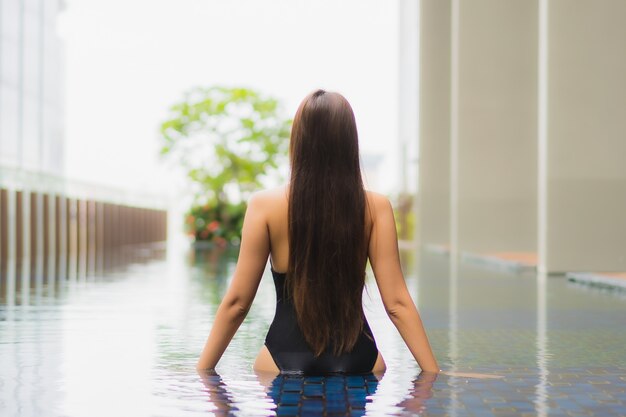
[126,344]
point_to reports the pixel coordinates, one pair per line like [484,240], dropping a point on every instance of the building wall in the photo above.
[522,131]
[586,147]
[434,129]
[497,126]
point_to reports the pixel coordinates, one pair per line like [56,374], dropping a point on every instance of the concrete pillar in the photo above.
[4,240]
[47,245]
[72,238]
[91,238]
[11,247]
[39,237]
[61,237]
[585,179]
[19,239]
[34,230]
[81,238]
[50,240]
[115,235]
[25,243]
[434,131]
[163,225]
[124,233]
[107,231]
[496,175]
[100,238]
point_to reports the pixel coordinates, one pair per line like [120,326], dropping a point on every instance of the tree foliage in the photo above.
[226,140]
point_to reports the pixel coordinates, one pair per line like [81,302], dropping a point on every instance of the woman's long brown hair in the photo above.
[327,241]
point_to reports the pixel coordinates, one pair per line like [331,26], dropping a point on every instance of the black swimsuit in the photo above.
[291,353]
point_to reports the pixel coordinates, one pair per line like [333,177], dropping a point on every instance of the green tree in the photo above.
[227,140]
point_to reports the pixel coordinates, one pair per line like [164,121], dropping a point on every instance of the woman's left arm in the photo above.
[253,254]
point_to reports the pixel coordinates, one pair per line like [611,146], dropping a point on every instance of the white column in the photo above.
[494,126]
[11,247]
[81,222]
[434,123]
[52,235]
[39,261]
[62,250]
[585,178]
[72,270]
[25,261]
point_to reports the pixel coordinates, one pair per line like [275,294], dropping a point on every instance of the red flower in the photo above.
[221,242]
[213,226]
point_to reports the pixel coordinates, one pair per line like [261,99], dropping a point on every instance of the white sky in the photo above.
[129,60]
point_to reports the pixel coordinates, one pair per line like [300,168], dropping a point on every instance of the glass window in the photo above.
[10,62]
[30,133]
[32,6]
[10,19]
[32,52]
[8,125]
[53,140]
[52,73]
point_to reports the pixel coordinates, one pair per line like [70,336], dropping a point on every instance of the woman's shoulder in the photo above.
[377,200]
[266,193]
[267,197]
[376,196]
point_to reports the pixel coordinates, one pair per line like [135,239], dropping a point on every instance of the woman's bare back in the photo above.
[276,201]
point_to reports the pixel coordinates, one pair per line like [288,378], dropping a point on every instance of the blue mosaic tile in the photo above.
[313,390]
[337,407]
[287,411]
[312,406]
[357,391]
[355,381]
[334,386]
[292,386]
[289,398]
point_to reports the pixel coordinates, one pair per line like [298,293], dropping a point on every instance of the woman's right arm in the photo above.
[385,260]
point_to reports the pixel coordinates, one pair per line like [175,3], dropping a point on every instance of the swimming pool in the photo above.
[125,344]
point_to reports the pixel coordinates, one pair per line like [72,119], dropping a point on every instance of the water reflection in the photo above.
[421,391]
[126,343]
[339,395]
[220,399]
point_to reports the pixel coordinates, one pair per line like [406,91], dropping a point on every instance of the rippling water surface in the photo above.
[125,344]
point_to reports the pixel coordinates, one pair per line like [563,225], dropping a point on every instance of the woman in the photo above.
[319,231]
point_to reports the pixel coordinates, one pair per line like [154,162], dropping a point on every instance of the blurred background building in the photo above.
[52,228]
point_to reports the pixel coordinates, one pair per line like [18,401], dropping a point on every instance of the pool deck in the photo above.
[518,262]
[526,263]
[602,279]
[442,250]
